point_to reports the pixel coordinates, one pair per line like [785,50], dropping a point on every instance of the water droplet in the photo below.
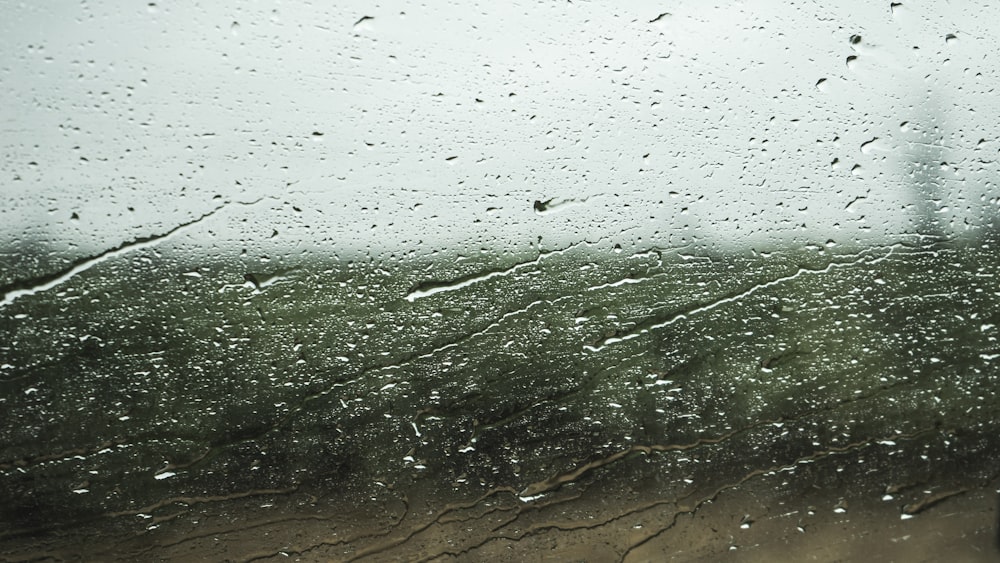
[660,17]
[363,23]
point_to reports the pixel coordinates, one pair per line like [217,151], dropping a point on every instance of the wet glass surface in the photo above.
[548,282]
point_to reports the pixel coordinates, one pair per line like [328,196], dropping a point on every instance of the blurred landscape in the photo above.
[499,282]
[812,402]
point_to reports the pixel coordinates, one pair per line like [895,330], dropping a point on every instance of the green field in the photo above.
[586,403]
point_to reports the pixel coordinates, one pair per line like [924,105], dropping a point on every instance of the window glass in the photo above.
[488,281]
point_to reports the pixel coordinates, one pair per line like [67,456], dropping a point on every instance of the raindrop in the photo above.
[660,17]
[363,23]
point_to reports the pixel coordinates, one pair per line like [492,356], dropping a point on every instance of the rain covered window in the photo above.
[499,281]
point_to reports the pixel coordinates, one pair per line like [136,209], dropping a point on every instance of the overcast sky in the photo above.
[439,126]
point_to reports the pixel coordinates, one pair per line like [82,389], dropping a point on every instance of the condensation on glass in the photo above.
[482,282]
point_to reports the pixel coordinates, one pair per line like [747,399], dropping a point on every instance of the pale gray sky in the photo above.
[401,127]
